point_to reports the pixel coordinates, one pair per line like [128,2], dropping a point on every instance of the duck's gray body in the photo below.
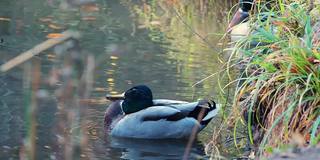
[165,119]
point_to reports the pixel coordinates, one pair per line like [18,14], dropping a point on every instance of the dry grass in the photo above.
[280,89]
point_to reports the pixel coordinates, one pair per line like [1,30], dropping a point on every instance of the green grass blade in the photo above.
[308,33]
[315,139]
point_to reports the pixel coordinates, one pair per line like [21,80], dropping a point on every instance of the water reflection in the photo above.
[133,42]
[155,149]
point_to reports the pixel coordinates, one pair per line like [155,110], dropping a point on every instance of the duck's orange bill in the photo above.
[115,97]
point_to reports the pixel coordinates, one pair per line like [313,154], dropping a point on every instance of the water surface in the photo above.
[167,45]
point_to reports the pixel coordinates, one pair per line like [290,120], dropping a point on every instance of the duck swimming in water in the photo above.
[135,114]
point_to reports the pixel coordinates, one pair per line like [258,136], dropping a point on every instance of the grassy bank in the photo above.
[279,88]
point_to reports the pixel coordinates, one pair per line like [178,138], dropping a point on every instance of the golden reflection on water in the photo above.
[94,101]
[99,89]
[111,74]
[114,57]
[113,92]
[110,80]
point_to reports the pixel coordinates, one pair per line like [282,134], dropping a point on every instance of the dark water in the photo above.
[131,42]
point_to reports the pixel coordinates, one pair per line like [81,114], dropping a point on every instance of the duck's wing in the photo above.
[156,113]
[167,102]
[182,106]
[202,110]
[191,109]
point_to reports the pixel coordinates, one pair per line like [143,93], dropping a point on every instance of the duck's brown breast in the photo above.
[113,113]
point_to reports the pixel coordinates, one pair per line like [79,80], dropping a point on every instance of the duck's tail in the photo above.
[212,113]
[204,111]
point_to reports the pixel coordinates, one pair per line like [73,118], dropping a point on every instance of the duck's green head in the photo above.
[246,5]
[136,99]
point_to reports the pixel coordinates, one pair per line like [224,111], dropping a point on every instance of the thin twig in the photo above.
[193,135]
[38,49]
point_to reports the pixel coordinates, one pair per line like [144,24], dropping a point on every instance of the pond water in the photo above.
[167,45]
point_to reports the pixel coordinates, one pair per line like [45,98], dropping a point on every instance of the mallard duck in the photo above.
[239,25]
[238,28]
[241,15]
[135,114]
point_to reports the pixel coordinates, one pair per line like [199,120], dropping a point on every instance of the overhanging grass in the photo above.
[280,91]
